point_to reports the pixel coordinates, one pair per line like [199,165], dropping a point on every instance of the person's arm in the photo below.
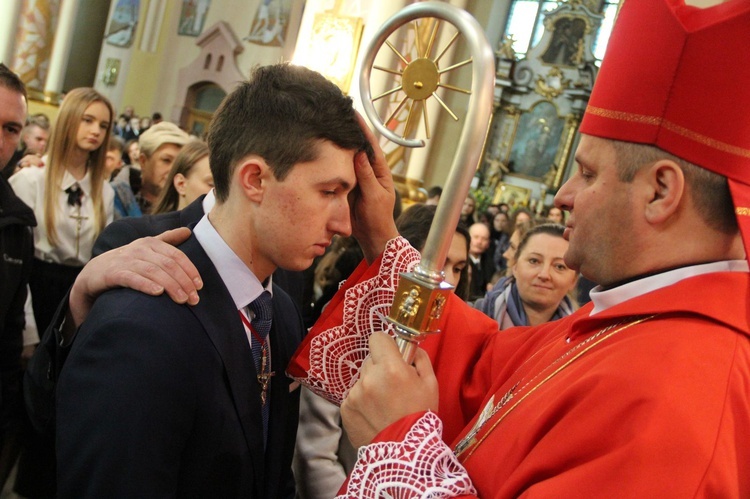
[150,265]
[388,411]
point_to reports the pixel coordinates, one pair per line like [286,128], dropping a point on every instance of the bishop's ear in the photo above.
[666,181]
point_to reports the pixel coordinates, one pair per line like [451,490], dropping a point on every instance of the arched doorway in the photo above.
[201,102]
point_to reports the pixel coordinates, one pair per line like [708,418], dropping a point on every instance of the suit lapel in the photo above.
[219,318]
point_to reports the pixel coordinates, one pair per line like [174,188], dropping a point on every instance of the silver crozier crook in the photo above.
[422,294]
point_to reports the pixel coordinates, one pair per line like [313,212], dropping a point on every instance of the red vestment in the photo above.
[648,398]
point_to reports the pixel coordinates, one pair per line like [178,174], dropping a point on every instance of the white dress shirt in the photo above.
[606,298]
[243,285]
[74,243]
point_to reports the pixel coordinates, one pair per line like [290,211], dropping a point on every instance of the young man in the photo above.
[161,398]
[34,137]
[643,392]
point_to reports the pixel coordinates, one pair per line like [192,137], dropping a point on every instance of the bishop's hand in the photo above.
[387,390]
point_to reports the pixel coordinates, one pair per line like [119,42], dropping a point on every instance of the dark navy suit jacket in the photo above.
[160,399]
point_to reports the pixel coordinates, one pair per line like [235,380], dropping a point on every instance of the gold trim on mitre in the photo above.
[672,127]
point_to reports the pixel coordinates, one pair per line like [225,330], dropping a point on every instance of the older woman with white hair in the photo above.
[159,147]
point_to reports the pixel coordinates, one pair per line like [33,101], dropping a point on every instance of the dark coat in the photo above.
[16,255]
[161,399]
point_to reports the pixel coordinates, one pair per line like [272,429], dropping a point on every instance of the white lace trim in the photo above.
[421,465]
[336,354]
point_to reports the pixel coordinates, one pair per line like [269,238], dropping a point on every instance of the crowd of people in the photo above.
[171,359]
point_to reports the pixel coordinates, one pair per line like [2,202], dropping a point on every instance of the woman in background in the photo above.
[189,178]
[538,288]
[71,198]
[72,201]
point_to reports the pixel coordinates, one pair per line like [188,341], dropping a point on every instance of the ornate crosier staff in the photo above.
[422,293]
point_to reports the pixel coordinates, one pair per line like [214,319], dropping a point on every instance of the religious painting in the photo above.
[537,139]
[335,45]
[566,46]
[193,17]
[36,29]
[512,195]
[123,23]
[271,22]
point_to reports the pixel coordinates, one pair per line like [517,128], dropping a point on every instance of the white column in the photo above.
[60,49]
[10,12]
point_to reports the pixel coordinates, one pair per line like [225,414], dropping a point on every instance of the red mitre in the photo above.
[674,76]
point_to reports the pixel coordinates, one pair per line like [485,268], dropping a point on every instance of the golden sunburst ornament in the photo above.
[419,80]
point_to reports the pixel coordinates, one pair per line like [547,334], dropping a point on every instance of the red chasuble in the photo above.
[650,398]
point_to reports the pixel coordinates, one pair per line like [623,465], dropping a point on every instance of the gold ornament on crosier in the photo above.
[422,293]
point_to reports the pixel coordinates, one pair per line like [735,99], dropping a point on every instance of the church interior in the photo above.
[180,58]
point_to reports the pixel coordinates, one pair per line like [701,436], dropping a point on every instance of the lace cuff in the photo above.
[329,359]
[421,465]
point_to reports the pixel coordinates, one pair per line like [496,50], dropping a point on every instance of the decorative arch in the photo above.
[212,73]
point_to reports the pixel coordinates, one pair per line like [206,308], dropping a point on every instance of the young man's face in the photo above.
[299,216]
[35,139]
[12,117]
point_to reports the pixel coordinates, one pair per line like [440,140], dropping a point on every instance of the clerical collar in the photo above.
[242,284]
[606,298]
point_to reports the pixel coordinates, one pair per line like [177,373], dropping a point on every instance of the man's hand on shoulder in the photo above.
[151,265]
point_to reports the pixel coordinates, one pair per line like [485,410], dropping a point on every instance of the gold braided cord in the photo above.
[672,127]
[742,211]
[572,359]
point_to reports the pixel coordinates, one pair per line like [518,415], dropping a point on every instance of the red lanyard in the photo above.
[261,341]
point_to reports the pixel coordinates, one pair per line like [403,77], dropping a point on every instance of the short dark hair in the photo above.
[710,191]
[11,81]
[281,114]
[434,191]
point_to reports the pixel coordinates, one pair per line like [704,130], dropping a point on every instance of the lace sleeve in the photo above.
[329,360]
[421,465]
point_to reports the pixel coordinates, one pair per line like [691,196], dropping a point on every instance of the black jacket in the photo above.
[17,250]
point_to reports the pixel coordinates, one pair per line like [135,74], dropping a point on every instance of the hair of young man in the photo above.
[62,146]
[281,114]
[115,144]
[709,190]
[40,120]
[414,225]
[189,155]
[11,81]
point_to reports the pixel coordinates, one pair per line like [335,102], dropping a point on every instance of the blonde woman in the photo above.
[71,198]
[189,178]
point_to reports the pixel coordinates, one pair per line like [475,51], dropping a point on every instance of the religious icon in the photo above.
[270,23]
[193,17]
[566,47]
[123,23]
